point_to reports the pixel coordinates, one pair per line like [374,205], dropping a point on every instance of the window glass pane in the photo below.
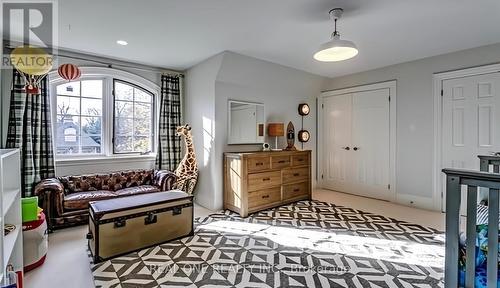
[123,144]
[68,105]
[91,144]
[92,88]
[142,110]
[124,91]
[91,107]
[67,134]
[124,109]
[70,88]
[133,119]
[142,96]
[142,126]
[142,144]
[91,126]
[124,126]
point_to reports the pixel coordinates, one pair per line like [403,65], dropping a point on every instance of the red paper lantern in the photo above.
[69,72]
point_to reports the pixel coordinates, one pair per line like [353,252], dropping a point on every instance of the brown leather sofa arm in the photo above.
[50,194]
[164,179]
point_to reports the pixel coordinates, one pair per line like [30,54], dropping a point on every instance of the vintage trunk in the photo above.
[122,225]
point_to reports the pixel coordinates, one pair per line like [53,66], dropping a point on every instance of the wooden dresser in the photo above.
[254,181]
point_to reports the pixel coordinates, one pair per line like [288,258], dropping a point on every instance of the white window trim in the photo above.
[107,74]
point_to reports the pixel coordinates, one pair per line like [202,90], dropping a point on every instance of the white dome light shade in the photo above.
[336,50]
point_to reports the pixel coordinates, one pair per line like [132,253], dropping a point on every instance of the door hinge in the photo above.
[389,186]
[442,92]
[321,176]
[322,106]
[389,98]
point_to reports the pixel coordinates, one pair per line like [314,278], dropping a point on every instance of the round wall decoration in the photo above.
[69,72]
[304,136]
[304,109]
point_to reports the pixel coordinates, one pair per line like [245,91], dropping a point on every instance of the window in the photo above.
[103,115]
[132,118]
[79,117]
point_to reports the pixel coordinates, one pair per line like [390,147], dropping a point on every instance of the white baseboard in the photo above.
[416,201]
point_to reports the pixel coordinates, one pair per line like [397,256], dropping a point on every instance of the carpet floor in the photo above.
[304,244]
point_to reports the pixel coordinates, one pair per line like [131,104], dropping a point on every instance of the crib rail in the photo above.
[455,178]
[485,162]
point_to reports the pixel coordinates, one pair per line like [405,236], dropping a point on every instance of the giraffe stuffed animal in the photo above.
[187,171]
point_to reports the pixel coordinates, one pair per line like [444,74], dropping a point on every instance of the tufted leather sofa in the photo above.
[65,200]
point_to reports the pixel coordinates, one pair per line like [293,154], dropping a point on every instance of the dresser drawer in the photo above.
[263,197]
[255,164]
[278,162]
[257,181]
[300,159]
[295,190]
[295,175]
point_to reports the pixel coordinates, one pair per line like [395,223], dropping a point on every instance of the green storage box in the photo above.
[30,208]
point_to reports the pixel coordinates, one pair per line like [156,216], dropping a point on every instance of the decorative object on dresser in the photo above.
[276,130]
[65,199]
[290,137]
[254,181]
[266,147]
[303,134]
[119,226]
[187,171]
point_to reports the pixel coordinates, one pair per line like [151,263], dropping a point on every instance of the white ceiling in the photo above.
[178,34]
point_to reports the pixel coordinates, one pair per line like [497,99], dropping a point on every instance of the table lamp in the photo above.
[276,130]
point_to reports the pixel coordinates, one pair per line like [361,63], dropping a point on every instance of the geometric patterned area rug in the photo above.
[304,244]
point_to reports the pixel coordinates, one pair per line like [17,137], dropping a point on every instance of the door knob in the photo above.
[346,148]
[355,148]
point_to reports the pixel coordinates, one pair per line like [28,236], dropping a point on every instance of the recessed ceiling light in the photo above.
[122,42]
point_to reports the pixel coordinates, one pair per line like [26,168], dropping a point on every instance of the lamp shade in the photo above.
[276,129]
[336,50]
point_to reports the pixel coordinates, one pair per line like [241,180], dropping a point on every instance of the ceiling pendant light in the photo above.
[336,49]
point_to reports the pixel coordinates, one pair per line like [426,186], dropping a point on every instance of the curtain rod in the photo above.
[154,70]
[91,58]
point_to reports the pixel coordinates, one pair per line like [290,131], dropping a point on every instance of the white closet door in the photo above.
[356,143]
[471,115]
[337,137]
[371,143]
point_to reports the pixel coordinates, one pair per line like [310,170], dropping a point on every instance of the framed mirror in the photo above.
[245,122]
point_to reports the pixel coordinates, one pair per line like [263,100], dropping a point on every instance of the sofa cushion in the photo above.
[113,181]
[137,190]
[80,200]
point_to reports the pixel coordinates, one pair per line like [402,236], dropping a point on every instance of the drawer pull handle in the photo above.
[266,179]
[281,161]
[265,196]
[300,159]
[259,164]
[296,174]
[296,190]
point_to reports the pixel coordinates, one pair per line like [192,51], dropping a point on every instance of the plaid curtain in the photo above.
[169,144]
[30,130]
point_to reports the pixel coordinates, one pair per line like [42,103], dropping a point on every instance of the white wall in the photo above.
[415,140]
[244,78]
[199,112]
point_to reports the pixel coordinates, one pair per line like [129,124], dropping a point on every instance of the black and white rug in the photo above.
[305,244]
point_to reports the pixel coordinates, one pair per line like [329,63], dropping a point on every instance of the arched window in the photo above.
[107,111]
